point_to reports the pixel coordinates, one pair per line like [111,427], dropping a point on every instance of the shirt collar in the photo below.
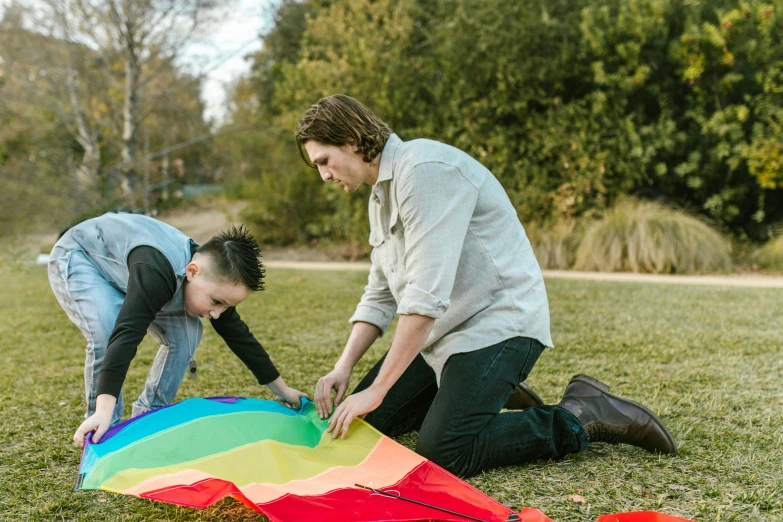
[385,170]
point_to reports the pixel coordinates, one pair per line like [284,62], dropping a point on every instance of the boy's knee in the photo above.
[139,409]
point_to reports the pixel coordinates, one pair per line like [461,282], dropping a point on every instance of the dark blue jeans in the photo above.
[460,425]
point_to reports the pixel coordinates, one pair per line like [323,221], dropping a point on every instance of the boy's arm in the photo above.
[237,335]
[241,341]
[151,285]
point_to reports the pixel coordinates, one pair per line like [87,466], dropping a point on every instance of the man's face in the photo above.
[206,296]
[341,165]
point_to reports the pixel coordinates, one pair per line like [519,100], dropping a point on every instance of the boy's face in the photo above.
[206,296]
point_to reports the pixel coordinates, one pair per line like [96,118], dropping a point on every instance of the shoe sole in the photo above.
[590,381]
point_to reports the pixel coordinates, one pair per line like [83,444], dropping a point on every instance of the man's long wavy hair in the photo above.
[341,120]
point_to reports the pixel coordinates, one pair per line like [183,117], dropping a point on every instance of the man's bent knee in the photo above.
[454,460]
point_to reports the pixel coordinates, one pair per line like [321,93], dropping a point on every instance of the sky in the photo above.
[228,45]
[222,53]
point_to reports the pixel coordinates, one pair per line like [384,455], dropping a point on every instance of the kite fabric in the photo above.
[282,463]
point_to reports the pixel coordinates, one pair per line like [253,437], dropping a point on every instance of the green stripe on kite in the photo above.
[290,462]
[141,427]
[205,436]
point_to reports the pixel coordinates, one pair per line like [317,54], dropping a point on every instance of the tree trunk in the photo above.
[87,172]
[130,106]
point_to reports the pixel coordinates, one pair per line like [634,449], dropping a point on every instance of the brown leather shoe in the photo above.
[592,380]
[522,398]
[608,418]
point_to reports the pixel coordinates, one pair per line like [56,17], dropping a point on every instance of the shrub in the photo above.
[643,236]
[555,245]
[770,255]
[281,206]
[570,103]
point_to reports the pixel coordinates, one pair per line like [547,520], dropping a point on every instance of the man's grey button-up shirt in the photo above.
[447,244]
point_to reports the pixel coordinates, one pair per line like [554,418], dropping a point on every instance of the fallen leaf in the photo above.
[578,499]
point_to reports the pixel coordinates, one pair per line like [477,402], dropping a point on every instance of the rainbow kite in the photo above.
[282,463]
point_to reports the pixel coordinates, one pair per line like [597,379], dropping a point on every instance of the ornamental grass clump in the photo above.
[555,245]
[644,236]
[770,256]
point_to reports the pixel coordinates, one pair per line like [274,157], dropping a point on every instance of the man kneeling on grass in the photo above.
[451,258]
[121,275]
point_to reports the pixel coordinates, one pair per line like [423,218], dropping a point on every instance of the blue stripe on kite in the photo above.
[177,414]
[117,427]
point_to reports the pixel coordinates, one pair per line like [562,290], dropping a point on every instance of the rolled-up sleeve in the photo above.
[377,305]
[436,203]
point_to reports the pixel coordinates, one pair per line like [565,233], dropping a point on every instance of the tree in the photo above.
[63,123]
[136,43]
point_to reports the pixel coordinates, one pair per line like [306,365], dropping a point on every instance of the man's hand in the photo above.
[356,405]
[291,397]
[412,332]
[338,380]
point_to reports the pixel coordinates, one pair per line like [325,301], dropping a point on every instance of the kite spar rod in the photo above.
[400,497]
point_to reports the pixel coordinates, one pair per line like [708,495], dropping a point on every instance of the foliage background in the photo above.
[571,103]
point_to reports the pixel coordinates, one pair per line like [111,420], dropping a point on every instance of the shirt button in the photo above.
[391,268]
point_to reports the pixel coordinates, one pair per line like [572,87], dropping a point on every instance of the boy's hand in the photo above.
[98,422]
[285,394]
[291,397]
[338,380]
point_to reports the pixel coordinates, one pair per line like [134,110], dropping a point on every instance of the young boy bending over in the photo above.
[119,276]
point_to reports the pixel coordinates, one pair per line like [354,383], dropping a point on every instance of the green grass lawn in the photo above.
[709,360]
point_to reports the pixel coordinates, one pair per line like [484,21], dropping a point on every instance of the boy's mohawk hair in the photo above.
[235,256]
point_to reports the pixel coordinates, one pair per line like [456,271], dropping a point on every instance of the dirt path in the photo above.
[202,224]
[754,281]
[749,280]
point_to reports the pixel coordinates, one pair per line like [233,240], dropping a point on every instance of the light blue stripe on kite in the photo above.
[180,413]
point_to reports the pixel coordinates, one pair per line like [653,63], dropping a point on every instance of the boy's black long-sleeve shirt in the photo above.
[151,284]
